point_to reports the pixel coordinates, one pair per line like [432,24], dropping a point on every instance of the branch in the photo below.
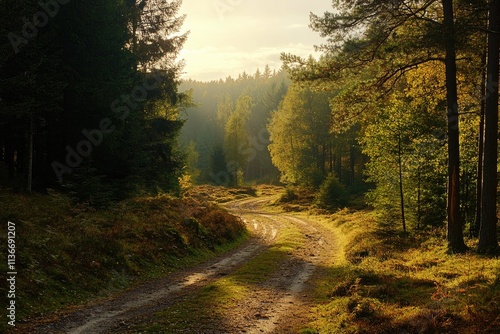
[400,71]
[482,29]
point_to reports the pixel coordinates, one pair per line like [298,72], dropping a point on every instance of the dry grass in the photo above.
[385,282]
[218,194]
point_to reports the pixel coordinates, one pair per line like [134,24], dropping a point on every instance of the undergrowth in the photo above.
[219,194]
[387,282]
[67,254]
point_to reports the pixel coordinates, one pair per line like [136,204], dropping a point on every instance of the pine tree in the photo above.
[488,242]
[102,64]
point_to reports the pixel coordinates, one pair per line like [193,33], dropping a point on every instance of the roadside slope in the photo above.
[68,255]
[387,282]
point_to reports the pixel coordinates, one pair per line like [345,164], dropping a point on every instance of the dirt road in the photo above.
[279,302]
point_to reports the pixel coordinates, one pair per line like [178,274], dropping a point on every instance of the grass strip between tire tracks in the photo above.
[209,307]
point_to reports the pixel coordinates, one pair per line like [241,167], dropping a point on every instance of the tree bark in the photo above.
[30,156]
[331,157]
[352,162]
[10,149]
[488,242]
[401,192]
[474,231]
[455,232]
[339,164]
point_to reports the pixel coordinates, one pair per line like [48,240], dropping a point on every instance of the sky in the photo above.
[228,37]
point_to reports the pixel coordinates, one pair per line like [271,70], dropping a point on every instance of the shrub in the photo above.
[332,194]
[289,196]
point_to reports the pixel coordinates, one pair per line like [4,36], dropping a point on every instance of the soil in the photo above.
[280,304]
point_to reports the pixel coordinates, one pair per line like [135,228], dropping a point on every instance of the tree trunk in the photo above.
[331,157]
[474,231]
[10,156]
[30,156]
[419,198]
[455,233]
[322,160]
[401,193]
[488,242]
[352,162]
[339,164]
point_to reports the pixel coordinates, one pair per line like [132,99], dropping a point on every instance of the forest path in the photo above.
[277,301]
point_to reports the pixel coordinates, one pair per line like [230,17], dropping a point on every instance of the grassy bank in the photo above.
[67,254]
[384,282]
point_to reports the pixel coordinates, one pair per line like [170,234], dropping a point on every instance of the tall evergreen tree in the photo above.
[488,242]
[455,228]
[90,77]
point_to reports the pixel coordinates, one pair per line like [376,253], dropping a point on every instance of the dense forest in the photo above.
[421,81]
[367,115]
[263,128]
[226,128]
[375,162]
[89,97]
[403,101]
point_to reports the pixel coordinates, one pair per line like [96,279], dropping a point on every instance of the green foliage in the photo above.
[332,194]
[191,168]
[86,187]
[400,138]
[299,132]
[218,171]
[289,195]
[376,48]
[236,136]
[215,103]
[225,108]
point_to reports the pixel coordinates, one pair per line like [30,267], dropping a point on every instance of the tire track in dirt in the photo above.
[281,305]
[267,310]
[154,296]
[148,298]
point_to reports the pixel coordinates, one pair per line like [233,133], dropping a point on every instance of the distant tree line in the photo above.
[257,128]
[226,129]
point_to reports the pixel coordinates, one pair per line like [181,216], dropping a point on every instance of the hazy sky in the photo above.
[231,36]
